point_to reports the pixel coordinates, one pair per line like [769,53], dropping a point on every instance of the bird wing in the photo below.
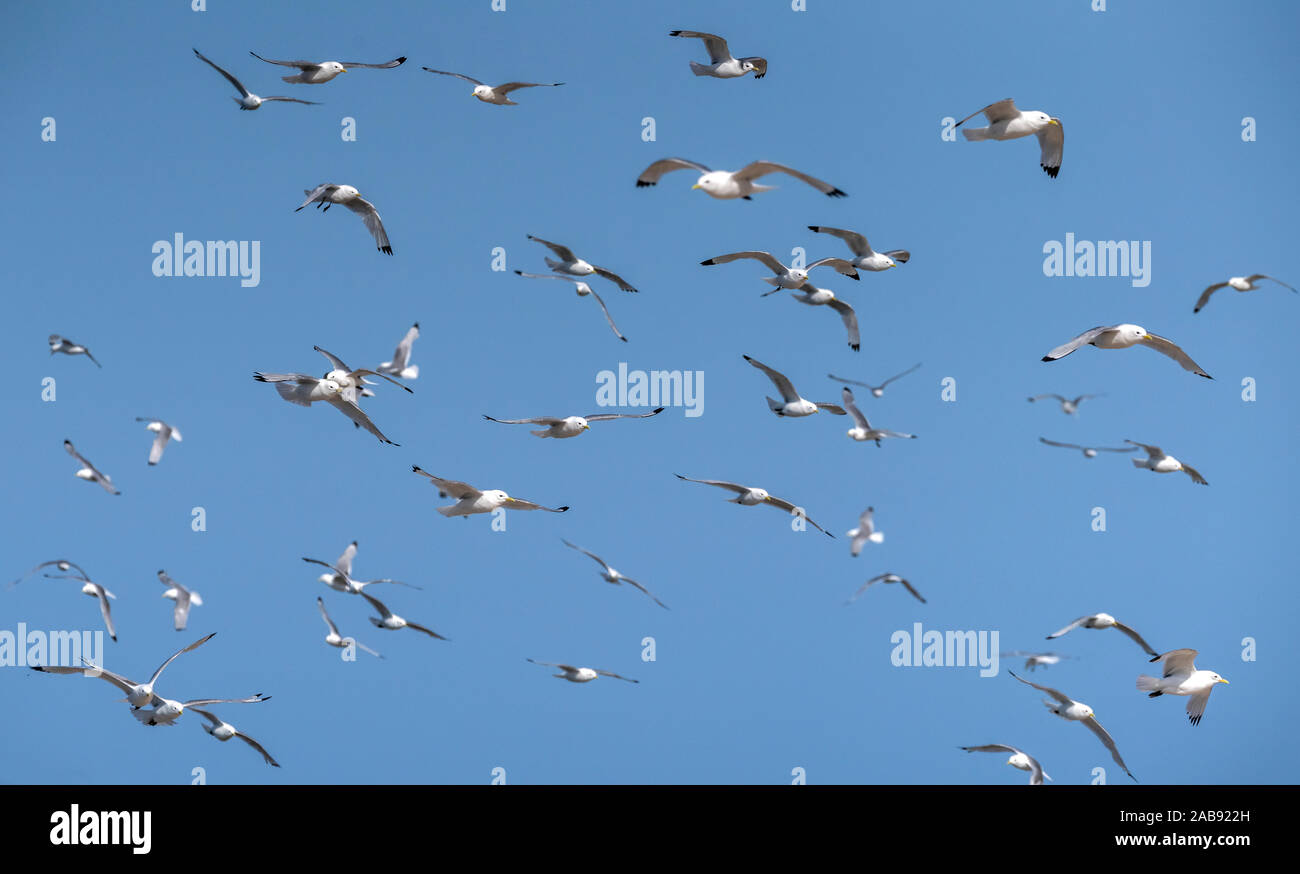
[850,319]
[615,278]
[428,631]
[849,381]
[252,699]
[320,603]
[402,354]
[193,646]
[319,193]
[370,216]
[470,79]
[616,676]
[564,252]
[1137,638]
[1051,144]
[900,375]
[842,267]
[857,243]
[1196,706]
[1082,340]
[762,168]
[536,420]
[553,665]
[345,560]
[515,86]
[1075,624]
[909,588]
[634,584]
[102,594]
[1167,347]
[71,450]
[650,175]
[1003,110]
[604,309]
[1095,727]
[53,563]
[1040,397]
[602,417]
[738,489]
[765,257]
[257,746]
[783,504]
[159,443]
[1250,278]
[1205,295]
[1177,661]
[716,45]
[233,81]
[181,612]
[1153,452]
[1194,474]
[386,65]
[783,385]
[301,65]
[1064,699]
[592,555]
[520,504]
[210,717]
[377,604]
[846,397]
[334,360]
[356,414]
[449,487]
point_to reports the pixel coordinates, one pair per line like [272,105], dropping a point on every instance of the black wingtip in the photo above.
[709,262]
[658,410]
[836,193]
[1048,358]
[561,509]
[387,250]
[416,468]
[400,61]
[640,184]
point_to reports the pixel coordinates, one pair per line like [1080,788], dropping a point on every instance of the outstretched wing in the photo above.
[233,81]
[650,175]
[716,45]
[1003,110]
[762,168]
[1167,347]
[469,79]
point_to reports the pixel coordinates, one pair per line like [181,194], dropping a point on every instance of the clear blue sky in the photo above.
[759,668]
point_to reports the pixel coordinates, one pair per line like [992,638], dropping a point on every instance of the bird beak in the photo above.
[586,427]
[1055,122]
[344,70]
[1224,682]
[695,186]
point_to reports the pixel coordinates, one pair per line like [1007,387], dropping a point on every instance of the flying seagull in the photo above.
[162,433]
[224,731]
[1239,283]
[341,580]
[1122,337]
[1157,462]
[865,258]
[1088,451]
[400,366]
[61,563]
[721,64]
[320,72]
[612,576]
[328,193]
[862,429]
[1181,677]
[168,711]
[813,296]
[246,98]
[184,598]
[729,184]
[1069,406]
[1008,123]
[876,390]
[137,694]
[390,620]
[791,404]
[1103,621]
[94,590]
[885,578]
[1034,660]
[89,472]
[1021,760]
[786,277]
[67,347]
[334,638]
[498,95]
[341,570]
[470,500]
[750,496]
[571,265]
[1067,708]
[561,427]
[865,532]
[580,675]
[583,290]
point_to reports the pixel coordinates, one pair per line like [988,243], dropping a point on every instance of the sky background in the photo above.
[759,668]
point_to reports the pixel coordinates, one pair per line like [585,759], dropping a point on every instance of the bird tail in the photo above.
[975,134]
[542,433]
[1147,684]
[877,537]
[553,264]
[1137,463]
[410,372]
[447,511]
[701,69]
[295,79]
[774,406]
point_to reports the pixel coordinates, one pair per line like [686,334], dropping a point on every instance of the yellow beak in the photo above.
[1224,682]
[695,186]
[1054,121]
[344,70]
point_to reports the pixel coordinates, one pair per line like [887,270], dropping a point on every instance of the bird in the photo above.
[1068,406]
[89,472]
[721,64]
[791,404]
[341,570]
[1076,711]
[61,563]
[1034,660]
[786,277]
[1103,621]
[184,598]
[876,390]
[246,98]
[1088,451]
[581,675]
[94,590]
[731,184]
[1006,122]
[224,731]
[400,366]
[320,72]
[885,578]
[1239,283]
[813,296]
[562,427]
[583,290]
[137,694]
[334,638]
[1122,337]
[341,580]
[865,258]
[751,496]
[612,576]
[497,95]
[470,500]
[67,347]
[1180,677]
[162,433]
[865,532]
[329,193]
[1157,462]
[571,265]
[862,429]
[167,711]
[1021,760]
[391,621]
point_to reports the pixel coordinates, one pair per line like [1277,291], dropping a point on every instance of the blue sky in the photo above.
[759,670]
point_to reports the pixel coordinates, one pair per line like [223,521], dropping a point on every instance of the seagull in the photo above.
[561,427]
[786,277]
[721,64]
[497,95]
[318,73]
[1102,621]
[1122,337]
[1088,451]
[728,184]
[1240,283]
[61,563]
[246,98]
[884,578]
[138,694]
[1181,677]
[184,598]
[89,471]
[612,576]
[865,258]
[1021,760]
[1068,708]
[749,496]
[1008,123]
[67,347]
[580,675]
[813,296]
[342,570]
[341,580]
[1067,406]
[400,365]
[392,621]
[162,433]
[328,193]
[876,390]
[1034,660]
[470,500]
[866,531]
[167,711]
[224,731]
[862,429]
[583,289]
[791,404]
[571,265]
[95,590]
[334,638]
[1157,462]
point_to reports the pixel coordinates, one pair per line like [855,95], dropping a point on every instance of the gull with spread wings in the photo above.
[752,496]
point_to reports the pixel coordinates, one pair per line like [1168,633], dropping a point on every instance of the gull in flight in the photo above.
[876,390]
[1088,451]
[1067,708]
[813,296]
[580,675]
[1034,660]
[1008,123]
[721,64]
[1068,406]
[246,98]
[1122,337]
[94,590]
[1181,677]
[583,290]
[400,366]
[612,576]
[731,184]
[864,533]
[137,694]
[67,347]
[865,258]
[89,472]
[571,265]
[224,731]
[786,277]
[1157,462]
[1021,760]
[341,580]
[497,95]
[561,427]
[390,620]
[1239,283]
[862,429]
[168,711]
[749,496]
[334,638]
[162,433]
[329,193]
[1102,621]
[318,73]
[184,598]
[885,578]
[61,563]
[470,500]
[791,404]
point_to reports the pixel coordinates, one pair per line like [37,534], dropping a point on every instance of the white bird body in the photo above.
[575,674]
[184,598]
[401,365]
[862,430]
[1158,462]
[67,347]
[865,532]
